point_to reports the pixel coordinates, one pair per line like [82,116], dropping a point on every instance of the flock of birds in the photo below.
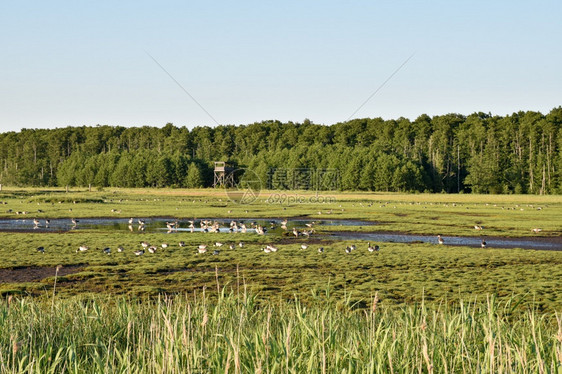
[215,226]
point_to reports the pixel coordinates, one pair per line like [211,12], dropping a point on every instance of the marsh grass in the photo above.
[237,332]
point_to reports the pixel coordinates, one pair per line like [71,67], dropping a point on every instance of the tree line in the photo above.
[482,153]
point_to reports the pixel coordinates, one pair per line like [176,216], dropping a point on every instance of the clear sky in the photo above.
[85,62]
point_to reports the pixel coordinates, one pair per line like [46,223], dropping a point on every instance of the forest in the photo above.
[452,153]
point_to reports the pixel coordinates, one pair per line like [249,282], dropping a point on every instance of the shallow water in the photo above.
[274,228]
[491,242]
[157,224]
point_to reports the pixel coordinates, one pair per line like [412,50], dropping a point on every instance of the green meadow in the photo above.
[408,307]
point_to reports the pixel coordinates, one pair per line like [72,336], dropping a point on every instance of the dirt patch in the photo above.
[35,273]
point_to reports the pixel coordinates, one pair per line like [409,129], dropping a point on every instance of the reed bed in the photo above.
[239,333]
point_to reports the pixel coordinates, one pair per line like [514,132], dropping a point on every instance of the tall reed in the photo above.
[242,334]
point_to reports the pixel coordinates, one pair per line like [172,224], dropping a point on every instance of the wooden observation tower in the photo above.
[224,176]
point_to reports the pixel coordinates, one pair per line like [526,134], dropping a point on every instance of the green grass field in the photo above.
[335,287]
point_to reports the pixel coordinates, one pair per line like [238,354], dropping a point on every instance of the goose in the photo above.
[371,248]
[241,244]
[304,246]
[231,246]
[120,249]
[478,227]
[131,220]
[164,245]
[152,249]
[321,250]
[145,244]
[272,248]
[36,222]
[47,222]
[348,250]
[295,232]
[483,244]
[141,222]
[353,247]
[74,221]
[139,252]
[202,248]
[266,249]
[82,248]
[107,250]
[181,244]
[218,244]
[130,227]
[216,252]
[41,249]
[440,239]
[536,230]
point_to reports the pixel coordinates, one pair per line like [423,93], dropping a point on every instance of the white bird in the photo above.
[483,244]
[181,244]
[82,248]
[536,230]
[304,246]
[139,252]
[231,246]
[478,227]
[440,239]
[371,248]
[145,244]
[120,249]
[202,248]
[152,249]
[266,249]
[272,248]
[321,250]
[218,244]
[164,245]
[241,244]
[348,250]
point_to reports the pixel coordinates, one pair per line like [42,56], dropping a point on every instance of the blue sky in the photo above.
[85,62]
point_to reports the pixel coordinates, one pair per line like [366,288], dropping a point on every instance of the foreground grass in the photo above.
[237,333]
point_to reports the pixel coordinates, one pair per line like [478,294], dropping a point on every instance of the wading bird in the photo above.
[440,239]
